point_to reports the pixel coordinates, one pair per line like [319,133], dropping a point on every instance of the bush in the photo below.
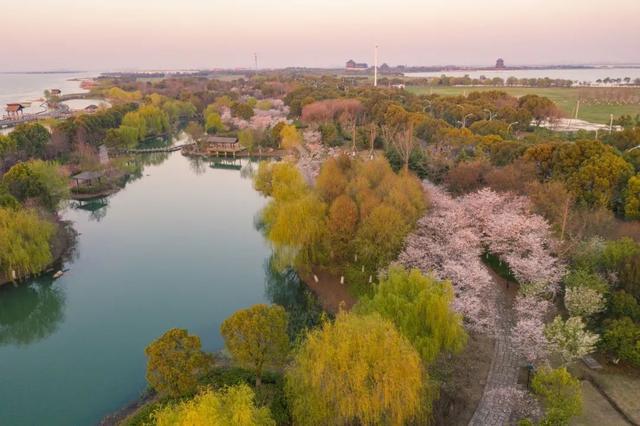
[561,395]
[622,338]
[622,304]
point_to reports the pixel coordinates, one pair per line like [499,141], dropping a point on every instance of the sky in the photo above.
[109,35]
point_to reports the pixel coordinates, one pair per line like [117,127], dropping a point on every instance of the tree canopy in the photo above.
[24,239]
[358,369]
[175,362]
[257,337]
[420,307]
[234,405]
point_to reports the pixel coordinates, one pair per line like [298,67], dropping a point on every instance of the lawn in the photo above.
[565,98]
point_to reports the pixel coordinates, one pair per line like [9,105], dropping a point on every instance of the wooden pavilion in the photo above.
[15,111]
[220,145]
[87,178]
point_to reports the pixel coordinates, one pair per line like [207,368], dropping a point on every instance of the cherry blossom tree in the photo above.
[445,243]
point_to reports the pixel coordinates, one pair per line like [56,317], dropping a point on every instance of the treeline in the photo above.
[445,80]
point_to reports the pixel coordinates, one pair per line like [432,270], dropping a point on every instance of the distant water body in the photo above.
[23,87]
[577,75]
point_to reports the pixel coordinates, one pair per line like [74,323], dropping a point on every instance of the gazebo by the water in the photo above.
[14,110]
[87,178]
[221,145]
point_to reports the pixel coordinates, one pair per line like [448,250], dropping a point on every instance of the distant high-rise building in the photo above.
[500,63]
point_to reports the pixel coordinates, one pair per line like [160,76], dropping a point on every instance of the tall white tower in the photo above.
[375,67]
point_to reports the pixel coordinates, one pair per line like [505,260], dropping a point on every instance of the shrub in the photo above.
[561,395]
[622,337]
[622,304]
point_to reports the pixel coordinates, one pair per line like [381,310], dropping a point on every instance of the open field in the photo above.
[565,98]
[596,410]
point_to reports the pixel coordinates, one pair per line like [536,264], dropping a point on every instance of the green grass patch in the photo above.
[565,97]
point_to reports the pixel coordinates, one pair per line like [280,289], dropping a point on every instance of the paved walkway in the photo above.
[493,409]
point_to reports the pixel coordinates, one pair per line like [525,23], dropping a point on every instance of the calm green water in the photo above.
[176,248]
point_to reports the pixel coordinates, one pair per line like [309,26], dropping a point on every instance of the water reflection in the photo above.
[96,207]
[198,165]
[285,288]
[29,313]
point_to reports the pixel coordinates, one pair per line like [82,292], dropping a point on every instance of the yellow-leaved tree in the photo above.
[175,363]
[231,406]
[290,137]
[357,370]
[257,337]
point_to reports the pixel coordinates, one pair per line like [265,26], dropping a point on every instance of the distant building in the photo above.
[500,63]
[352,65]
[14,111]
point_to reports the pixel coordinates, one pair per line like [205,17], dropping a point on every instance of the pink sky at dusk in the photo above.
[178,34]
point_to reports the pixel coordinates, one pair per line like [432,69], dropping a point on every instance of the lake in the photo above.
[21,87]
[176,248]
[577,75]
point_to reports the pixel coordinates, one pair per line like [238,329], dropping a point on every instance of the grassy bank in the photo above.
[565,98]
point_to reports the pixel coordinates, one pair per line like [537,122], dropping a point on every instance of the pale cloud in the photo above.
[117,34]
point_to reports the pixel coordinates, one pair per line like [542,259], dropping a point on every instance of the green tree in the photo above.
[30,138]
[213,123]
[257,337]
[247,139]
[175,363]
[122,137]
[356,370]
[37,179]
[420,307]
[234,405]
[561,395]
[632,198]
[25,241]
[622,337]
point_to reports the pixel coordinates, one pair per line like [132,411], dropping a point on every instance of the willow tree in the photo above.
[294,219]
[357,370]
[234,405]
[257,337]
[420,307]
[24,239]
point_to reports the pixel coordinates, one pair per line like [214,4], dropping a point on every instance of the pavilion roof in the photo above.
[220,139]
[87,175]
